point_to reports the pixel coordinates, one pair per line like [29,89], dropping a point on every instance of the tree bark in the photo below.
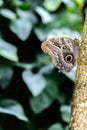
[78,120]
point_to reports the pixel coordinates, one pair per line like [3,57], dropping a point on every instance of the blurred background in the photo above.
[33,94]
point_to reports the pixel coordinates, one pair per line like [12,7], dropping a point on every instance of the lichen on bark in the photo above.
[78,119]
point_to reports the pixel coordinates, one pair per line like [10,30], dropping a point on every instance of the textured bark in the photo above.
[78,120]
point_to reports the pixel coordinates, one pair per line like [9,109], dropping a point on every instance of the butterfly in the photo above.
[63,50]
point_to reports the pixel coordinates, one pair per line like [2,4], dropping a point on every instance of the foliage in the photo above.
[33,94]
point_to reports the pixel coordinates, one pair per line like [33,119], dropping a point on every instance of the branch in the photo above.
[78,119]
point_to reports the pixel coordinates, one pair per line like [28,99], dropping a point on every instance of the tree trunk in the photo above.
[78,120]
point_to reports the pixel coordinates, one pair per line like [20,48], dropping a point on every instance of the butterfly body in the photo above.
[64,52]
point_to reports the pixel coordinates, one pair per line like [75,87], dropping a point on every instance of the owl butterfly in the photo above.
[64,52]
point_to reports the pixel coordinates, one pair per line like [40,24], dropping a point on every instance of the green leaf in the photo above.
[56,126]
[61,97]
[1,2]
[46,98]
[20,4]
[47,69]
[65,113]
[49,30]
[6,74]
[43,59]
[45,16]
[69,24]
[24,6]
[35,82]
[25,65]
[52,5]
[71,75]
[13,108]
[8,14]
[41,34]
[79,3]
[22,26]
[68,19]
[70,4]
[66,128]
[8,51]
